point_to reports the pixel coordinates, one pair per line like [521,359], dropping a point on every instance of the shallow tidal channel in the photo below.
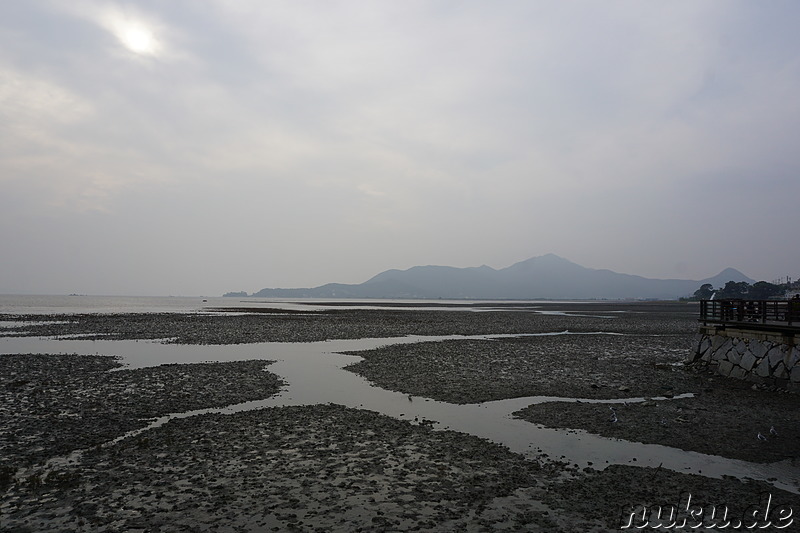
[314,373]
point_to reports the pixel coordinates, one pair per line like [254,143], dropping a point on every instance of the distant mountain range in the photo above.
[544,277]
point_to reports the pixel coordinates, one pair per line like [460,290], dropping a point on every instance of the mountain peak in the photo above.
[548,276]
[729,274]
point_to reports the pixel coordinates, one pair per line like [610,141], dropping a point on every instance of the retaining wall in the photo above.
[770,358]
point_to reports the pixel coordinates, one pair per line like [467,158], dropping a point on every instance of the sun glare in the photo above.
[138,39]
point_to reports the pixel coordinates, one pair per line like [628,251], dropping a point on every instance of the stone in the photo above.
[704,345]
[775,355]
[780,371]
[717,341]
[794,358]
[748,361]
[697,353]
[735,357]
[760,348]
[740,345]
[763,368]
[738,373]
[725,368]
[794,375]
[727,345]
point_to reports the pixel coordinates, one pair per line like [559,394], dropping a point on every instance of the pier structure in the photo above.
[752,340]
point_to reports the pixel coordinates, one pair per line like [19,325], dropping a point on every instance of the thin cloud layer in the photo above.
[199,147]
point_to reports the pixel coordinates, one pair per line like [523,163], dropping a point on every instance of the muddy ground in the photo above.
[723,417]
[328,468]
[51,405]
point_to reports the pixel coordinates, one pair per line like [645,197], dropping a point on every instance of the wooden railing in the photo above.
[779,312]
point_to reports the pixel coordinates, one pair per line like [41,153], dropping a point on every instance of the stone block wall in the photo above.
[763,358]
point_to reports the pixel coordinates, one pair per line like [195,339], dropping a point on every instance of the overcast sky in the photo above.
[197,147]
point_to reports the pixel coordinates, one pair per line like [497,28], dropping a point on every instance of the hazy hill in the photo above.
[547,277]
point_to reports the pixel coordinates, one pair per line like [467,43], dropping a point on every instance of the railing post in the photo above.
[751,311]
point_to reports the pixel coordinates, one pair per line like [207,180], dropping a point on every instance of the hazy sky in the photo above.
[195,147]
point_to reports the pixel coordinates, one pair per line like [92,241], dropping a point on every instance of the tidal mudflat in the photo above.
[80,452]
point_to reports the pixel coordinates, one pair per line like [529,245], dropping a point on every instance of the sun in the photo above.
[138,39]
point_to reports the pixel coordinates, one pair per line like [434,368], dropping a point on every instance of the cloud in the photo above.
[452,132]
[140,33]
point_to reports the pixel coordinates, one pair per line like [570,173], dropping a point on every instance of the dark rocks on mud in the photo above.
[346,323]
[329,468]
[725,422]
[318,468]
[580,366]
[613,494]
[53,404]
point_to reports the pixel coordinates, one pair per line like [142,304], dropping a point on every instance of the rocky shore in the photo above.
[330,468]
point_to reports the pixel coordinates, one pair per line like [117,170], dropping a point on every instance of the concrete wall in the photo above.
[770,358]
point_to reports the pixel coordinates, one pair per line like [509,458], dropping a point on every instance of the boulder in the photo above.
[748,361]
[725,368]
[776,354]
[794,358]
[760,349]
[740,346]
[763,368]
[717,341]
[705,344]
[738,373]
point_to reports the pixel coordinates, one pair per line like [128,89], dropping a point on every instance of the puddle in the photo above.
[16,324]
[314,373]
